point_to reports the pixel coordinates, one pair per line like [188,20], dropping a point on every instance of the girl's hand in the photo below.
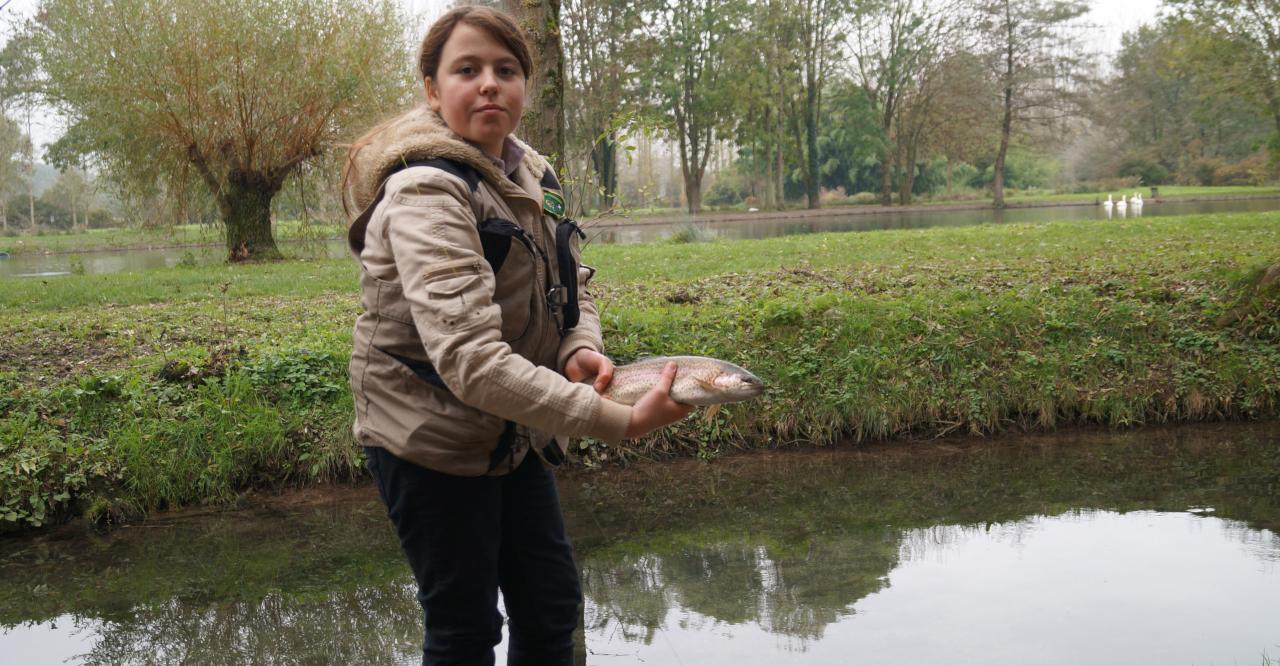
[656,409]
[586,362]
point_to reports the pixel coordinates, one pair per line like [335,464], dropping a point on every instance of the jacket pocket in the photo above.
[406,407]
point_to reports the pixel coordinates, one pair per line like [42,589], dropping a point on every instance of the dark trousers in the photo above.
[465,538]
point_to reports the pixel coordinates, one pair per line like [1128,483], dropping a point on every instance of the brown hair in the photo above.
[497,23]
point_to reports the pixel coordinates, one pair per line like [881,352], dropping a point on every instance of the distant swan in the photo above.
[1108,203]
[1120,205]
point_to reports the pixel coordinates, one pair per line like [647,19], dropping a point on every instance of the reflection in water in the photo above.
[1156,547]
[367,625]
[794,591]
[1090,587]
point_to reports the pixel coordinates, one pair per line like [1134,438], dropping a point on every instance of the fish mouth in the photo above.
[753,386]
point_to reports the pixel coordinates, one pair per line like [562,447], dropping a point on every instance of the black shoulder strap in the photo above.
[568,272]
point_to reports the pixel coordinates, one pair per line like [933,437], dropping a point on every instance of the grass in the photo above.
[134,391]
[143,238]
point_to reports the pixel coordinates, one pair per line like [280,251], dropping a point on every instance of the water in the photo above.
[1159,546]
[31,265]
[917,219]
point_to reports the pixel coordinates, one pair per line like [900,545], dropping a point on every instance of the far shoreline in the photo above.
[622,220]
[849,210]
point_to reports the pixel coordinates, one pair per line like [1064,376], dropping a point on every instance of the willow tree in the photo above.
[226,95]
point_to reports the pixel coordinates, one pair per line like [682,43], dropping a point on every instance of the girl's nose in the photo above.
[488,82]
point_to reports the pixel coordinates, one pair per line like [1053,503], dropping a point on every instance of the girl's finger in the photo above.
[604,376]
[668,376]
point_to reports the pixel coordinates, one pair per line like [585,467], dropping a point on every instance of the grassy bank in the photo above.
[130,392]
[182,235]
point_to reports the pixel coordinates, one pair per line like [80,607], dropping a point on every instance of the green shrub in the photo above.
[1146,171]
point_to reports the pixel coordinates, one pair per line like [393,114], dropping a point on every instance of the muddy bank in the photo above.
[642,490]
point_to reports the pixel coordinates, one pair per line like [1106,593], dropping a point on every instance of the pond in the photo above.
[38,265]
[1099,547]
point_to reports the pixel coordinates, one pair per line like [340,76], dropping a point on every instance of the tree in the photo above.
[1169,102]
[1242,38]
[228,95]
[14,145]
[543,120]
[962,116]
[73,192]
[599,40]
[1035,58]
[692,82]
[767,97]
[892,42]
[850,135]
[818,39]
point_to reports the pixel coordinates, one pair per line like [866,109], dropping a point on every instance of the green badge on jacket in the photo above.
[553,203]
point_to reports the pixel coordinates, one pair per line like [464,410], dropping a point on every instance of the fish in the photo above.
[700,380]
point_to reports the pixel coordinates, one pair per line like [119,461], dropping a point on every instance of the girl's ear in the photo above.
[433,94]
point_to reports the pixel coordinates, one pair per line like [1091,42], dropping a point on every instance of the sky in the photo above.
[1112,18]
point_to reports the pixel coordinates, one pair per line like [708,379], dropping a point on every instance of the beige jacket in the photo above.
[449,350]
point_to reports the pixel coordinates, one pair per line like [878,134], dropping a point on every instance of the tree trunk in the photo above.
[245,203]
[780,172]
[604,159]
[543,123]
[907,179]
[693,191]
[1006,124]
[887,157]
[31,173]
[811,142]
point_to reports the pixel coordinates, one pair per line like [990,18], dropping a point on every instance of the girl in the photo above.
[476,327]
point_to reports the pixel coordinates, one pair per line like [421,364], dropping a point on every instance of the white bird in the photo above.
[1124,201]
[1108,203]
[1137,202]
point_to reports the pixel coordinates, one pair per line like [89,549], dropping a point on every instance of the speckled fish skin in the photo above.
[700,380]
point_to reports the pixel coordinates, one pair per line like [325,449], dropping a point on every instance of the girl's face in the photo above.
[478,88]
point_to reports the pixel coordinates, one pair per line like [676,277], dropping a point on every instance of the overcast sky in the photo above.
[1112,18]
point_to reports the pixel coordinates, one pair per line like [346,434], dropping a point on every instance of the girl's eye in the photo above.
[466,69]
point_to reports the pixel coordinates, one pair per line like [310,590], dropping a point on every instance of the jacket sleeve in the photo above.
[587,332]
[449,286]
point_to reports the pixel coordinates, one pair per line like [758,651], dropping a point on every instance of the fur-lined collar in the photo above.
[420,134]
